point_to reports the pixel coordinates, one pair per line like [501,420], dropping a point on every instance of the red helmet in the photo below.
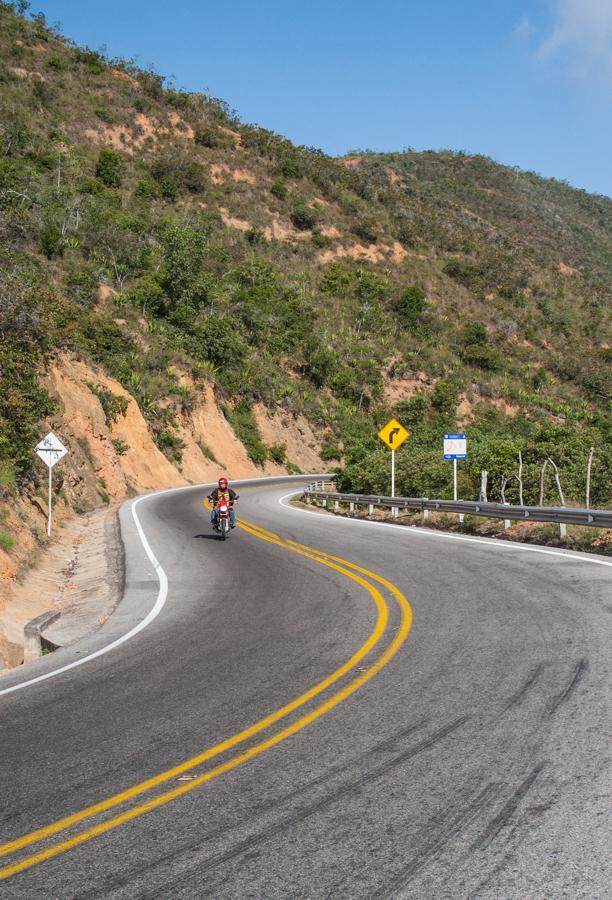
[222,482]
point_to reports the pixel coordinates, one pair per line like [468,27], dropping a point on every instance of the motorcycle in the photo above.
[223,520]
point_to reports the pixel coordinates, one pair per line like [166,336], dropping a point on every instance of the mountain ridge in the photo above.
[150,233]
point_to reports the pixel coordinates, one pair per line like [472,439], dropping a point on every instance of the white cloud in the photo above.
[581,35]
[524,30]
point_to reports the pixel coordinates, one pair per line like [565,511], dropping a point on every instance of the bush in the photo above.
[476,350]
[8,477]
[212,136]
[148,188]
[245,428]
[367,229]
[56,62]
[109,168]
[278,453]
[279,189]
[120,446]
[329,452]
[320,240]
[6,542]
[255,235]
[290,166]
[411,305]
[170,444]
[303,217]
[51,240]
[105,114]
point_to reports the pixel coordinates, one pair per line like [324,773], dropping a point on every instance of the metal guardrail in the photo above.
[560,515]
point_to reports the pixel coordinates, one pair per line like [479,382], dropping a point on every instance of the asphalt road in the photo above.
[468,755]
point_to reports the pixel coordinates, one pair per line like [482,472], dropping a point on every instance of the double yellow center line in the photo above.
[364,578]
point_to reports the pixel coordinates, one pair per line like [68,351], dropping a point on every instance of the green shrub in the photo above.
[476,350]
[105,114]
[169,188]
[278,453]
[8,477]
[303,217]
[320,240]
[330,451]
[290,166]
[207,452]
[82,287]
[410,306]
[121,448]
[148,188]
[245,428]
[56,62]
[255,235]
[6,542]
[113,405]
[51,240]
[212,136]
[109,168]
[170,444]
[279,189]
[368,229]
[91,58]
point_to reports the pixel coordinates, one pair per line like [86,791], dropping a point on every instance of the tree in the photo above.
[303,217]
[410,306]
[109,168]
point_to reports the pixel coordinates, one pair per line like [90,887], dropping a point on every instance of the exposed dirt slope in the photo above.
[111,459]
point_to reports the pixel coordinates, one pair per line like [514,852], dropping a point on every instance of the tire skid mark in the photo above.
[577,675]
[515,837]
[450,829]
[242,847]
[388,745]
[517,698]
[507,811]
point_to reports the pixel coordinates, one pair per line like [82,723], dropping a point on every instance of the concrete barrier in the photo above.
[33,640]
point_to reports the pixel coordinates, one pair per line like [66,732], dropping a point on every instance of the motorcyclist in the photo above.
[223,492]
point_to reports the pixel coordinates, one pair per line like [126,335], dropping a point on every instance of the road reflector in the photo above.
[393,434]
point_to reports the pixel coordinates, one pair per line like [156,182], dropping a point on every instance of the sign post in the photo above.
[393,435]
[50,450]
[455,447]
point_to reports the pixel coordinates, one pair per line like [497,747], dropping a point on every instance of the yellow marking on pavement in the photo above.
[379,578]
[166,797]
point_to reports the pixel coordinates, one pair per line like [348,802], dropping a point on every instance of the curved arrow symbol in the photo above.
[392,434]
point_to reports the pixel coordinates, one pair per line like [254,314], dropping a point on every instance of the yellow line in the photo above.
[379,578]
[75,818]
[104,805]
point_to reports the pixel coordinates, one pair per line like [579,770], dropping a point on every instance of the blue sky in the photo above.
[528,82]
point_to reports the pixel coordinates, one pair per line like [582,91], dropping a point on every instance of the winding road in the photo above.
[317,708]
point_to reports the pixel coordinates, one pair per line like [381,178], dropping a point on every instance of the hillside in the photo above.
[222,288]
[543,217]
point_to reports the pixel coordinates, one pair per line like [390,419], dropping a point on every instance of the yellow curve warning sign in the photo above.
[393,434]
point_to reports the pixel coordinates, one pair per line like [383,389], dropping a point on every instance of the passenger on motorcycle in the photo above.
[220,494]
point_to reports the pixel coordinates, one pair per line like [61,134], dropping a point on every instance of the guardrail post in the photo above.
[324,501]
[562,530]
[394,512]
[336,504]
[370,508]
[351,506]
[425,511]
[506,521]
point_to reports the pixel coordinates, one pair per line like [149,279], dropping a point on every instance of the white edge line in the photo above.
[161,594]
[414,530]
[152,614]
